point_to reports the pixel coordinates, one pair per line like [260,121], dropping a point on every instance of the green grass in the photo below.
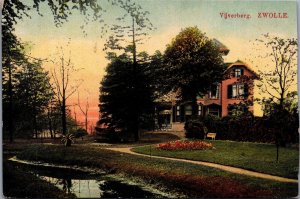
[194,180]
[253,156]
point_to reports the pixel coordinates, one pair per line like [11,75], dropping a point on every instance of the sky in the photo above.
[169,17]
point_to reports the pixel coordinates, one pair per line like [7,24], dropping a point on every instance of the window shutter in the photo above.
[229,91]
[242,71]
[246,90]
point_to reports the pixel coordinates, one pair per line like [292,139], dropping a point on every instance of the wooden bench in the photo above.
[211,135]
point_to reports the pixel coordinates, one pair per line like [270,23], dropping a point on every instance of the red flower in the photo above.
[185,145]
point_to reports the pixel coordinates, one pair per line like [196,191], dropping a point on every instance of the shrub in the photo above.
[68,139]
[249,128]
[185,145]
[80,133]
[195,128]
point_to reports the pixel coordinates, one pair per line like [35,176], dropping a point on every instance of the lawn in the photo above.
[253,156]
[193,180]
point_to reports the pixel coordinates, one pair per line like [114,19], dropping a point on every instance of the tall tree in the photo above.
[278,75]
[131,28]
[62,85]
[12,57]
[194,63]
[125,99]
[277,79]
[33,93]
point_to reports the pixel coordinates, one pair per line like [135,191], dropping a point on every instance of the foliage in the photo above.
[194,128]
[80,133]
[246,127]
[26,94]
[34,93]
[68,139]
[125,98]
[278,76]
[185,145]
[12,49]
[194,63]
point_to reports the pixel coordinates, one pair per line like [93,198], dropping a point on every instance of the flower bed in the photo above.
[185,145]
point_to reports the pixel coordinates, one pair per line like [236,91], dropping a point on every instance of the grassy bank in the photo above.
[253,156]
[21,184]
[193,180]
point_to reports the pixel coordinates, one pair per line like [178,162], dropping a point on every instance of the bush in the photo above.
[249,128]
[80,133]
[195,128]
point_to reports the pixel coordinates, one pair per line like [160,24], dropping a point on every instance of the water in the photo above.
[99,188]
[90,185]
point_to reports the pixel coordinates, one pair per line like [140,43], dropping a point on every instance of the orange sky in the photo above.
[169,17]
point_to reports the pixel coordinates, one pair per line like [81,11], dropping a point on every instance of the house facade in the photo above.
[234,93]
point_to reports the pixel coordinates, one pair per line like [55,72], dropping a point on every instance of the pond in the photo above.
[87,184]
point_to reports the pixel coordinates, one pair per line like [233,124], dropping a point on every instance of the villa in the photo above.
[235,91]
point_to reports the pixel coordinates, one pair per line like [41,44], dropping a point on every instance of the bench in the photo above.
[211,135]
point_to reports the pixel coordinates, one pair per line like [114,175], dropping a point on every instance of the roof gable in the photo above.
[243,64]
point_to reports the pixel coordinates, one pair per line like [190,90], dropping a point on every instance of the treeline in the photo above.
[136,82]
[30,100]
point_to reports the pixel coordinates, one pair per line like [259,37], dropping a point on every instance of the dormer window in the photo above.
[238,72]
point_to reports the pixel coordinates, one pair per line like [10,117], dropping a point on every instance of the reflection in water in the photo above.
[81,188]
[93,188]
[88,185]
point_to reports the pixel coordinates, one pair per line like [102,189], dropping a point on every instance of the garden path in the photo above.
[213,165]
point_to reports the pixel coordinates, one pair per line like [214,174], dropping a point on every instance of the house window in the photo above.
[238,72]
[199,109]
[215,92]
[188,110]
[236,90]
[178,110]
[213,111]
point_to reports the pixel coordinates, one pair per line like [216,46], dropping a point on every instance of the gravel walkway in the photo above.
[213,165]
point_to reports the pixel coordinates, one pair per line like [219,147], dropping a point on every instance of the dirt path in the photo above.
[213,165]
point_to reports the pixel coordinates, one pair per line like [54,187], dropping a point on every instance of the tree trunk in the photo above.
[50,125]
[64,117]
[277,152]
[136,131]
[34,126]
[10,105]
[194,105]
[68,142]
[136,115]
[86,123]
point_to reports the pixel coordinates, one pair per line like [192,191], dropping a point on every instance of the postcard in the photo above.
[149,99]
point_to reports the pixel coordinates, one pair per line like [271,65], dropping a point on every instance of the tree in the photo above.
[125,98]
[84,112]
[34,93]
[276,81]
[26,89]
[63,88]
[278,76]
[137,103]
[12,56]
[194,63]
[14,10]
